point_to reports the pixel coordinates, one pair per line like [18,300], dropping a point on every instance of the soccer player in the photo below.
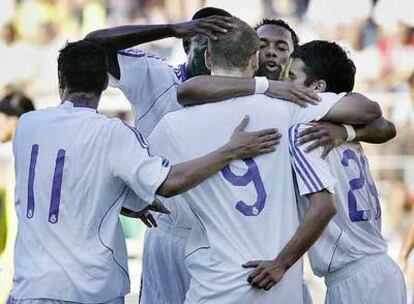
[277,42]
[75,168]
[150,85]
[254,214]
[351,253]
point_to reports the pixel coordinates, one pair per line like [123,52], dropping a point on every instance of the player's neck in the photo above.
[231,73]
[89,100]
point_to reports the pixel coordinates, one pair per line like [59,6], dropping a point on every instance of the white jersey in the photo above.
[248,210]
[150,85]
[74,170]
[355,231]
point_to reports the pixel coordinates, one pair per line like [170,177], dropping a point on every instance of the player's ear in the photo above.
[319,85]
[207,59]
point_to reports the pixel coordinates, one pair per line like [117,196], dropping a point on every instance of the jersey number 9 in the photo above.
[251,176]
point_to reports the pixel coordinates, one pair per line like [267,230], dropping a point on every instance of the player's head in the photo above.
[12,106]
[323,66]
[235,51]
[277,42]
[196,46]
[82,68]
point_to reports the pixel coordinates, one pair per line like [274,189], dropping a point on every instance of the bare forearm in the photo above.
[354,109]
[189,174]
[377,132]
[321,211]
[123,37]
[206,89]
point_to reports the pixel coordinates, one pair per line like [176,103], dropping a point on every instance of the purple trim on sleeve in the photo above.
[142,142]
[57,187]
[302,161]
[165,162]
[298,171]
[138,54]
[297,159]
[307,163]
[32,172]
[181,72]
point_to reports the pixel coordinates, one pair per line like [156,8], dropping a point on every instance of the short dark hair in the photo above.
[204,13]
[281,23]
[84,67]
[325,60]
[16,104]
[234,48]
[210,11]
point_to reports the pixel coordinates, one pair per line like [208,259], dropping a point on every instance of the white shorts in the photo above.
[119,300]
[165,279]
[373,279]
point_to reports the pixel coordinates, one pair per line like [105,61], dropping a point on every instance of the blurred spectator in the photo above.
[12,106]
[16,60]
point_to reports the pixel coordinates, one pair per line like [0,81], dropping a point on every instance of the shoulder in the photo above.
[329,96]
[136,54]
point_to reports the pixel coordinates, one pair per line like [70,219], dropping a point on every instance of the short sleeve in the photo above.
[132,162]
[144,77]
[312,172]
[316,112]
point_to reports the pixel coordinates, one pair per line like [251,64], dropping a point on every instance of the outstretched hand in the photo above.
[209,26]
[323,134]
[144,215]
[295,93]
[245,144]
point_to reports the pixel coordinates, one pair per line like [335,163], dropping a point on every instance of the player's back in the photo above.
[247,211]
[355,231]
[65,198]
[358,205]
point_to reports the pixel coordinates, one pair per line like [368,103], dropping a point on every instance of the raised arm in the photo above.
[329,135]
[207,89]
[268,273]
[354,109]
[377,132]
[122,37]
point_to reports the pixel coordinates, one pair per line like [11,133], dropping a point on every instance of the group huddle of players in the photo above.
[234,210]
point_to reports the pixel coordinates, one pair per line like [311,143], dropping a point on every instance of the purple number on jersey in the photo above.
[355,184]
[56,186]
[32,172]
[252,175]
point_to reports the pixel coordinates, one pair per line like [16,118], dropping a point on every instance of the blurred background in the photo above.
[379,36]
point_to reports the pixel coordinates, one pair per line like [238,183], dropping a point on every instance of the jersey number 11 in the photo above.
[56,186]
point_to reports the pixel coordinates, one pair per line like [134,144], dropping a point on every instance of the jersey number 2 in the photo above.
[56,186]
[358,183]
[251,176]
